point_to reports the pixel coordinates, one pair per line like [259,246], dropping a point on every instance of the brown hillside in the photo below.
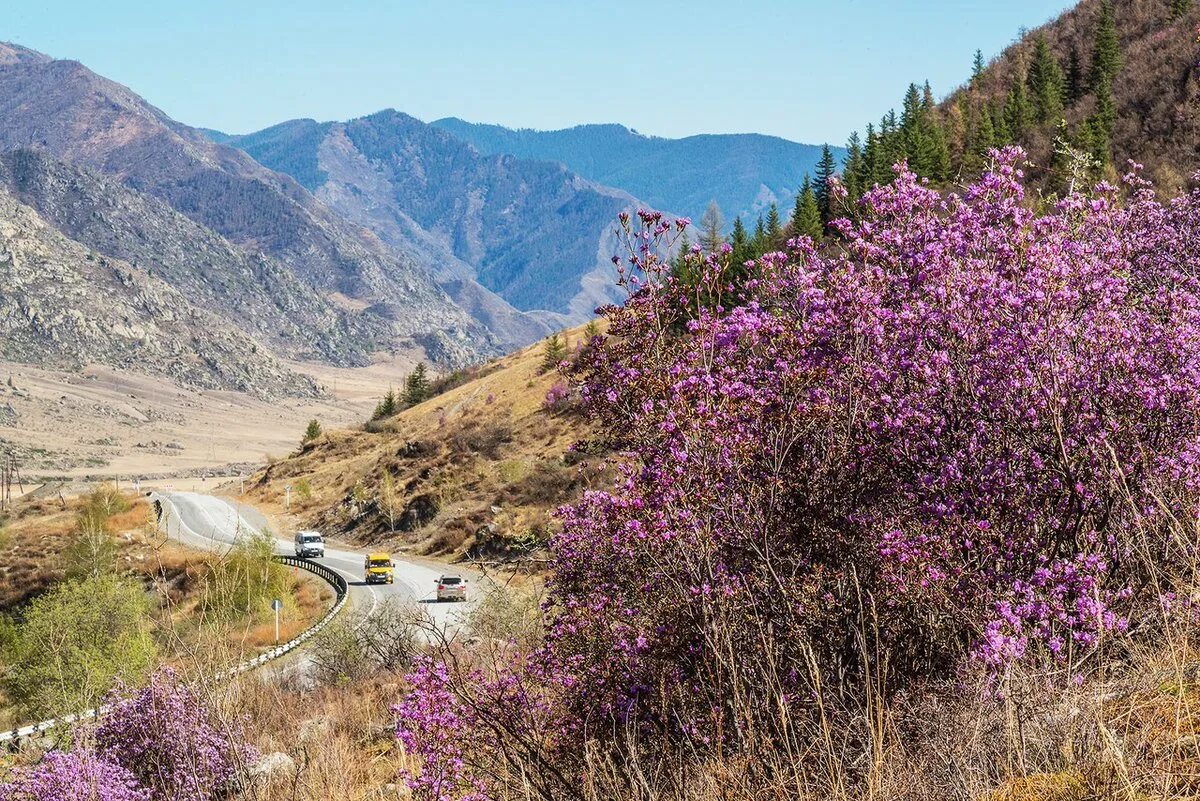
[1156,92]
[477,470]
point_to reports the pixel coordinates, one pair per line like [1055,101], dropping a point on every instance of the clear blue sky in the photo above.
[809,71]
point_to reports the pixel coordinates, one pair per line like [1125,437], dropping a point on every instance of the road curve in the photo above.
[212,523]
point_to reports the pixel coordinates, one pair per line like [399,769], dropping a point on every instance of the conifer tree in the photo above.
[977,68]
[387,406]
[1018,112]
[870,159]
[1097,133]
[806,219]
[759,244]
[311,432]
[416,386]
[1046,83]
[826,169]
[1074,80]
[553,352]
[853,167]
[1106,50]
[774,228]
[739,241]
[1180,8]
[711,227]
[890,151]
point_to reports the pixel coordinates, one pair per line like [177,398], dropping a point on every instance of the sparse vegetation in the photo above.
[311,432]
[70,646]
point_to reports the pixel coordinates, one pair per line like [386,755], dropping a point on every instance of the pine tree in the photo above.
[1180,8]
[1046,83]
[1018,112]
[312,432]
[806,219]
[870,159]
[774,228]
[1074,79]
[826,169]
[853,168]
[711,226]
[1106,50]
[416,386]
[977,69]
[759,244]
[739,241]
[1099,126]
[553,352]
[387,406]
[889,151]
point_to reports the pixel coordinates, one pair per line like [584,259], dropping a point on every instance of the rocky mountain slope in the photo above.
[744,173]
[253,292]
[75,116]
[530,231]
[63,305]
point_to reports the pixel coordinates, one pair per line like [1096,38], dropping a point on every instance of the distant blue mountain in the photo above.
[744,173]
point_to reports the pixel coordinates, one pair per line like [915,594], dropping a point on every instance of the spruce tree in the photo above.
[977,68]
[853,168]
[739,241]
[1018,112]
[774,228]
[1180,8]
[387,406]
[416,386]
[553,352]
[826,169]
[1046,83]
[806,219]
[1074,80]
[759,244]
[1106,50]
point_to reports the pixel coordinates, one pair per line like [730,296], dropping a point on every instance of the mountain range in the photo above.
[532,232]
[134,240]
[743,173]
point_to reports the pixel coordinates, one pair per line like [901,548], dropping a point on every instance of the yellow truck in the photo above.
[379,568]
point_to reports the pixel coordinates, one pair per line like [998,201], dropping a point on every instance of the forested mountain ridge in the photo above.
[743,173]
[1102,84]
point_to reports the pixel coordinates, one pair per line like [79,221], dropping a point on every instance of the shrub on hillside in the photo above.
[169,738]
[244,581]
[73,776]
[74,642]
[968,432]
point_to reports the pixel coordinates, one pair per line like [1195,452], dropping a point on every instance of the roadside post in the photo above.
[276,605]
[287,497]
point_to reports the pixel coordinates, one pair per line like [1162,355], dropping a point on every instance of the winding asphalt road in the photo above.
[212,523]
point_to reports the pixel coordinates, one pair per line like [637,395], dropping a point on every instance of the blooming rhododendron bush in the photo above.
[162,742]
[964,437]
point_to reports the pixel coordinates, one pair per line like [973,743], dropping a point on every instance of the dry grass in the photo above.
[480,468]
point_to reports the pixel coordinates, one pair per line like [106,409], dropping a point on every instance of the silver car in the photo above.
[452,588]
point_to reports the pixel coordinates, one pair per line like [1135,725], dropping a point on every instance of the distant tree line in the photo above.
[942,143]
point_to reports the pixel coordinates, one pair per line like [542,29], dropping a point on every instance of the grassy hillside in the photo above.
[474,471]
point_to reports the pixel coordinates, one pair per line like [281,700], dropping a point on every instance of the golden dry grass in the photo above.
[478,469]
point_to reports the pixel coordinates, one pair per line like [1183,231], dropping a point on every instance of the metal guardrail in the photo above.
[321,571]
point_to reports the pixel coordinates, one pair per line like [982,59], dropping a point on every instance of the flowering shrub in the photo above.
[166,736]
[434,726]
[557,397]
[968,430]
[73,776]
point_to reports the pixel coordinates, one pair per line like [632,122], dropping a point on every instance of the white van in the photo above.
[309,544]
